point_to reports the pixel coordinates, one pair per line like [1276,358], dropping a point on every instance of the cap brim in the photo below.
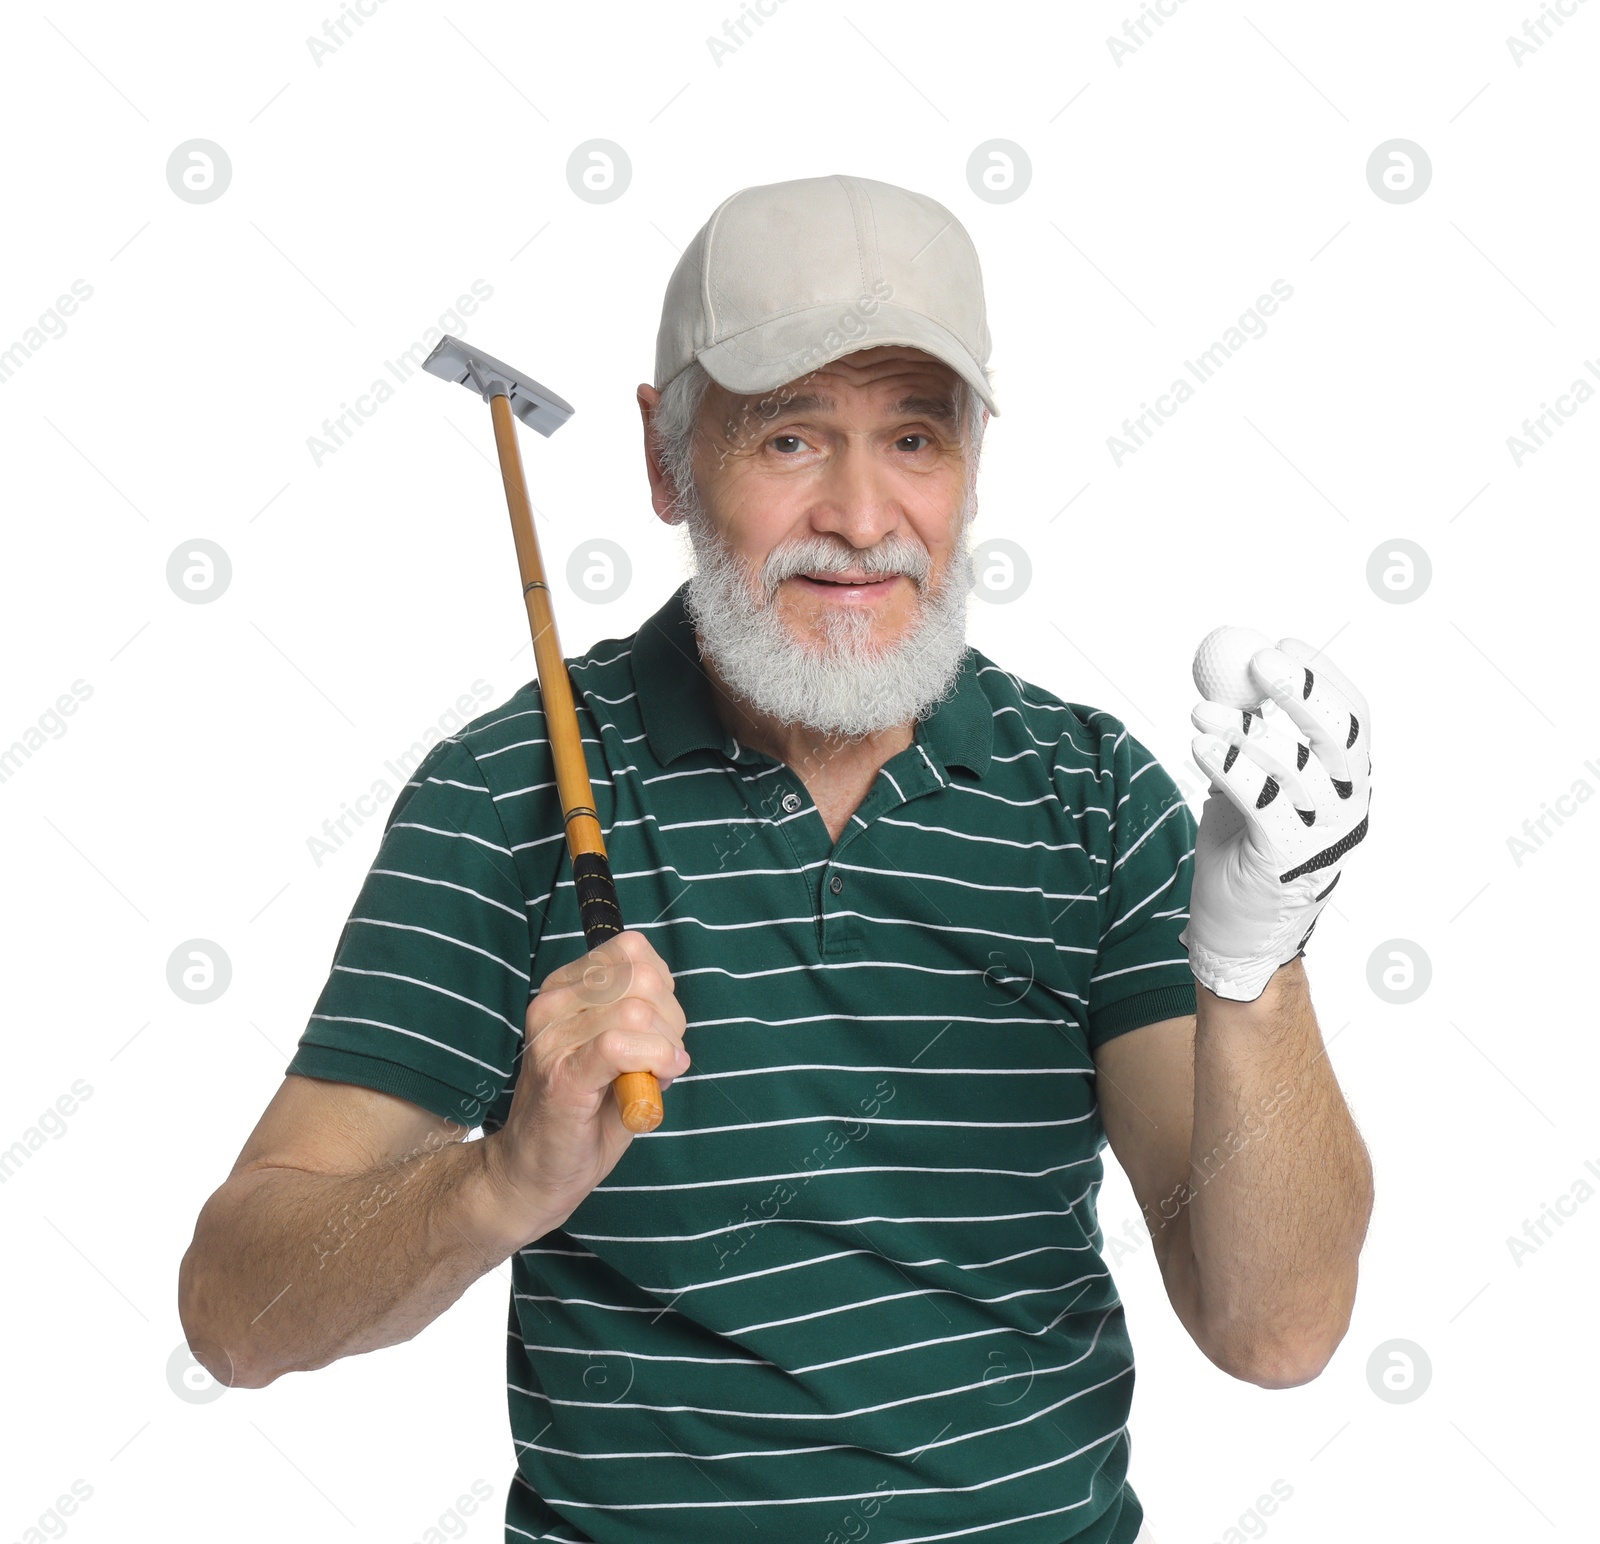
[778,352]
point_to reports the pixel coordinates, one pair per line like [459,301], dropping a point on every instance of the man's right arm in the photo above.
[351,1220]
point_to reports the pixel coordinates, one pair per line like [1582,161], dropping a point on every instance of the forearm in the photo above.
[1280,1187]
[290,1270]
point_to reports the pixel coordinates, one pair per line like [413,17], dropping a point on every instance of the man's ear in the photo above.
[661,498]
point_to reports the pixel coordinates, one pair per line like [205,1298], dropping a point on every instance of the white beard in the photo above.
[846,687]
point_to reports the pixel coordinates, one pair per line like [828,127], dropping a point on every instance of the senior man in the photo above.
[922,926]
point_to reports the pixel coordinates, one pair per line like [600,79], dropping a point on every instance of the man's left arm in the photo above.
[1230,1124]
[1252,1178]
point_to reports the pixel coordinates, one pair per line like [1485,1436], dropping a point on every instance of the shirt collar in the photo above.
[679,710]
[675,697]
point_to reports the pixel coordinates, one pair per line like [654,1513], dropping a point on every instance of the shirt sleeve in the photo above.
[430,982]
[1141,972]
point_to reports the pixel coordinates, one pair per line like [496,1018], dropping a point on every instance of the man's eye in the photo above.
[778,439]
[905,437]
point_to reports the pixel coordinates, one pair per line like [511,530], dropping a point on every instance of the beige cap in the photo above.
[785,277]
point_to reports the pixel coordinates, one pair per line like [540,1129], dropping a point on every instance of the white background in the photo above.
[371,590]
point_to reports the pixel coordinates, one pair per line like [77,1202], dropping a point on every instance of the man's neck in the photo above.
[819,759]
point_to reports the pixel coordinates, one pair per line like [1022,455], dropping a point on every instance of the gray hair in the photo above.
[678,414]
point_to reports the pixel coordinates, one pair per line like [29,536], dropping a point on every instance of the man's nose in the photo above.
[855,499]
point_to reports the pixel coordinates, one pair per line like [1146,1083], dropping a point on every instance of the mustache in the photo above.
[895,554]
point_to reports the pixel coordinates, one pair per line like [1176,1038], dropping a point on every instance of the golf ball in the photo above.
[1222,666]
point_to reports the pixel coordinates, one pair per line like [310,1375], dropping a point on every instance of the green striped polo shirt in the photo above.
[854,1280]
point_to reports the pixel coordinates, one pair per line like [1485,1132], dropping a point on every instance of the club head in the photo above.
[537,406]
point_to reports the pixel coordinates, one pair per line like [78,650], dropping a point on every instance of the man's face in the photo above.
[830,522]
[855,472]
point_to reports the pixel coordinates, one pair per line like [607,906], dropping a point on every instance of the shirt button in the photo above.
[791,802]
[836,884]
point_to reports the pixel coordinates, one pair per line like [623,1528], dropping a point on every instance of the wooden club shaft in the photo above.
[638,1094]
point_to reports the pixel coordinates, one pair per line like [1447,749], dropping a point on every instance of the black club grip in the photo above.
[597,898]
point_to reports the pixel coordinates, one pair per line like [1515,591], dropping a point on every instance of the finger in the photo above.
[634,1021]
[622,966]
[1303,653]
[629,944]
[1268,724]
[610,956]
[638,1015]
[1262,744]
[1218,719]
[1322,711]
[1324,669]
[1236,777]
[600,1060]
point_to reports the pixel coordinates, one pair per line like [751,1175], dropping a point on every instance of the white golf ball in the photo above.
[1222,666]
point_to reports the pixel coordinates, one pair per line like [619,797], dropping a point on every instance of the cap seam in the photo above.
[705,269]
[861,211]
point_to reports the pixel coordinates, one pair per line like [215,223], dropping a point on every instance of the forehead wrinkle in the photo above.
[817,401]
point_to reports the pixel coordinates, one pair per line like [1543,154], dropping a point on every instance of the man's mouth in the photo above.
[849,581]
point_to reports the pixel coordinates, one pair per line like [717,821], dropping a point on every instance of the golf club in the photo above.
[510,396]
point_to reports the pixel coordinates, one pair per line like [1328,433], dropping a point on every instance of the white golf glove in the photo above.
[1279,818]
